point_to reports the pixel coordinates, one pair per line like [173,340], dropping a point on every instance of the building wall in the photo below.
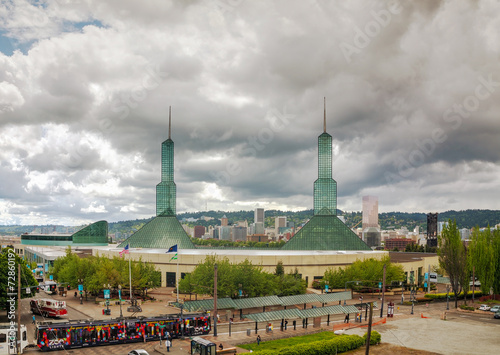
[259,215]
[370,211]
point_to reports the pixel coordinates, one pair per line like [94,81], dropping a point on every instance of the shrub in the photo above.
[375,337]
[452,295]
[467,308]
[339,344]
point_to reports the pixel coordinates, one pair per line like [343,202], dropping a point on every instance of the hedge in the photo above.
[375,337]
[339,344]
[438,296]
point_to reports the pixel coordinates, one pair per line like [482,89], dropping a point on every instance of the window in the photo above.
[3,338]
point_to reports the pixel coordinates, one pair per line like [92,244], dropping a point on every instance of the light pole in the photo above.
[447,297]
[106,296]
[120,296]
[80,289]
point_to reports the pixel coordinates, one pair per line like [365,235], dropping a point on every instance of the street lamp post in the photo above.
[80,289]
[447,297]
[120,296]
[106,298]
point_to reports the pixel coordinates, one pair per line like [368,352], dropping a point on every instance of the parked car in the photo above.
[497,315]
[495,308]
[138,352]
[484,307]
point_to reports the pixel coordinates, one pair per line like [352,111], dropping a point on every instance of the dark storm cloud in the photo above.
[412,102]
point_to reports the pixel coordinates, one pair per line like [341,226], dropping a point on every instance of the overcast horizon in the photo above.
[412,103]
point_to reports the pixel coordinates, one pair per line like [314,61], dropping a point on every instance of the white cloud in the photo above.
[84,107]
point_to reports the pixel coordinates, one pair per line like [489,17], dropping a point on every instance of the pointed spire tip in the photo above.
[169,121]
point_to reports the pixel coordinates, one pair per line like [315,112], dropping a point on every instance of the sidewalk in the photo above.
[95,311]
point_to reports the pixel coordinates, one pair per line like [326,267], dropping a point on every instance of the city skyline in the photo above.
[85,91]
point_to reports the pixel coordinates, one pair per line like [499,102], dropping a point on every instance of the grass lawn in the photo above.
[284,343]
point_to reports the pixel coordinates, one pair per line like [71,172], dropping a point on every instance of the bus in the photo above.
[8,336]
[48,307]
[79,334]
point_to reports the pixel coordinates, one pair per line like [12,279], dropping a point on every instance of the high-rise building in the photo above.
[325,231]
[325,188]
[432,229]
[279,222]
[239,233]
[199,231]
[258,215]
[164,230]
[370,211]
[166,189]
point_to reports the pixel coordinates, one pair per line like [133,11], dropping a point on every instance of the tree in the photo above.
[484,255]
[9,262]
[453,258]
[280,270]
[368,270]
[97,271]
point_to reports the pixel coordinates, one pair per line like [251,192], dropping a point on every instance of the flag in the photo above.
[173,257]
[172,249]
[124,251]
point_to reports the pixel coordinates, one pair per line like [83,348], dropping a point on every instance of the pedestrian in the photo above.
[168,344]
[221,347]
[347,317]
[160,339]
[258,340]
[34,320]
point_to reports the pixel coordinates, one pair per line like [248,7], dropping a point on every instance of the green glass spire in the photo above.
[325,187]
[166,189]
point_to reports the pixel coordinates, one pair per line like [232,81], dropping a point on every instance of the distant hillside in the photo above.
[390,220]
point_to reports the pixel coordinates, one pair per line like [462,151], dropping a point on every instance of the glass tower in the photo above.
[166,189]
[325,187]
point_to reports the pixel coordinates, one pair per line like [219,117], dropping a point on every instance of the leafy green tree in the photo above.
[453,258]
[280,270]
[9,262]
[253,280]
[484,255]
[97,271]
[365,271]
[481,257]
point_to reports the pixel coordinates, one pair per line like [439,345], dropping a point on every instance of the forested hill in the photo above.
[387,220]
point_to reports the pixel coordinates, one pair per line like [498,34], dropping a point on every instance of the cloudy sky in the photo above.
[412,92]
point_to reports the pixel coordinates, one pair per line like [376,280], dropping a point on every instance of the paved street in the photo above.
[461,333]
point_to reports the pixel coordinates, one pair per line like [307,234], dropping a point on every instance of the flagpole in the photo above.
[130,278]
[177,279]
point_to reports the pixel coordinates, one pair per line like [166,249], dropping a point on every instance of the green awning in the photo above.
[322,311]
[300,299]
[335,297]
[351,309]
[245,303]
[274,315]
[208,305]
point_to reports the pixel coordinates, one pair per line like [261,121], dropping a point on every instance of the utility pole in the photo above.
[215,300]
[368,336]
[18,338]
[429,280]
[473,282]
[383,294]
